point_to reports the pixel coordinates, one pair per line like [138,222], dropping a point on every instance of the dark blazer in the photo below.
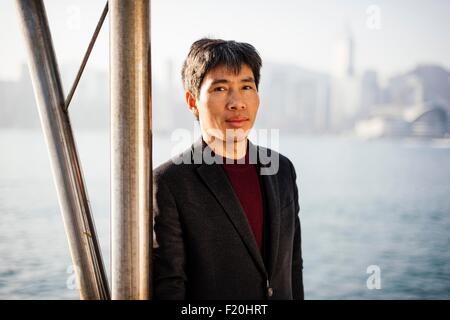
[203,245]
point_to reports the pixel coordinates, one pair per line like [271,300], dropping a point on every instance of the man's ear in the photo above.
[191,102]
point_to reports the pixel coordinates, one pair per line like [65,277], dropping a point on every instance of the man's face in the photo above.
[227,103]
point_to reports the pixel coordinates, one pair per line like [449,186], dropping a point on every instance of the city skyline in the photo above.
[292,98]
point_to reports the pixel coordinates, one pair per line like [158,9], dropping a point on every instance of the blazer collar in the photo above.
[218,183]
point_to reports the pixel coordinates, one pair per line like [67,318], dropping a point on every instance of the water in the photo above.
[382,203]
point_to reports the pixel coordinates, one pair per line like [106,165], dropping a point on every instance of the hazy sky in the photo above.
[299,32]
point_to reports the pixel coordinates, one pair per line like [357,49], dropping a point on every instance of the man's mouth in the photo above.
[237,122]
[237,119]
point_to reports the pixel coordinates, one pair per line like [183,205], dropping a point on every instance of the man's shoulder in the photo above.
[175,167]
[278,163]
[273,153]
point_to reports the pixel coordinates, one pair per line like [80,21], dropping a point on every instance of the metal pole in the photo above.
[67,174]
[131,187]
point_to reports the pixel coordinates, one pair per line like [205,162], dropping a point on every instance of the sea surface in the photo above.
[375,215]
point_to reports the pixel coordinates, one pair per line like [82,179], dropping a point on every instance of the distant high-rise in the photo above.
[344,55]
[350,56]
[345,84]
[370,92]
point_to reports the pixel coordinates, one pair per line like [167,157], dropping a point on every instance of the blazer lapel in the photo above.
[272,203]
[216,180]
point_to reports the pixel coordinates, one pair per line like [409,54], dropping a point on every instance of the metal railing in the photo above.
[131,176]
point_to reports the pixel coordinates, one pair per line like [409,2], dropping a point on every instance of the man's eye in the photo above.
[248,87]
[219,89]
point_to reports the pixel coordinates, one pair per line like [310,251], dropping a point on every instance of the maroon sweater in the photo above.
[245,181]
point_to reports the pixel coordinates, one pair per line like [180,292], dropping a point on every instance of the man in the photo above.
[226,229]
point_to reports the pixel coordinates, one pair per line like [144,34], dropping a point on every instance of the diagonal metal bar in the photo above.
[67,174]
[86,57]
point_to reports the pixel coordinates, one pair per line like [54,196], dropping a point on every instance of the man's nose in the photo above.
[235,101]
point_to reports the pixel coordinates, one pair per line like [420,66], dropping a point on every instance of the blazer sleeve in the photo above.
[297,261]
[169,259]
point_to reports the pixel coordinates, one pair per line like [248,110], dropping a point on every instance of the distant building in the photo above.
[415,104]
[425,83]
[17,103]
[424,121]
[369,94]
[345,90]
[294,99]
